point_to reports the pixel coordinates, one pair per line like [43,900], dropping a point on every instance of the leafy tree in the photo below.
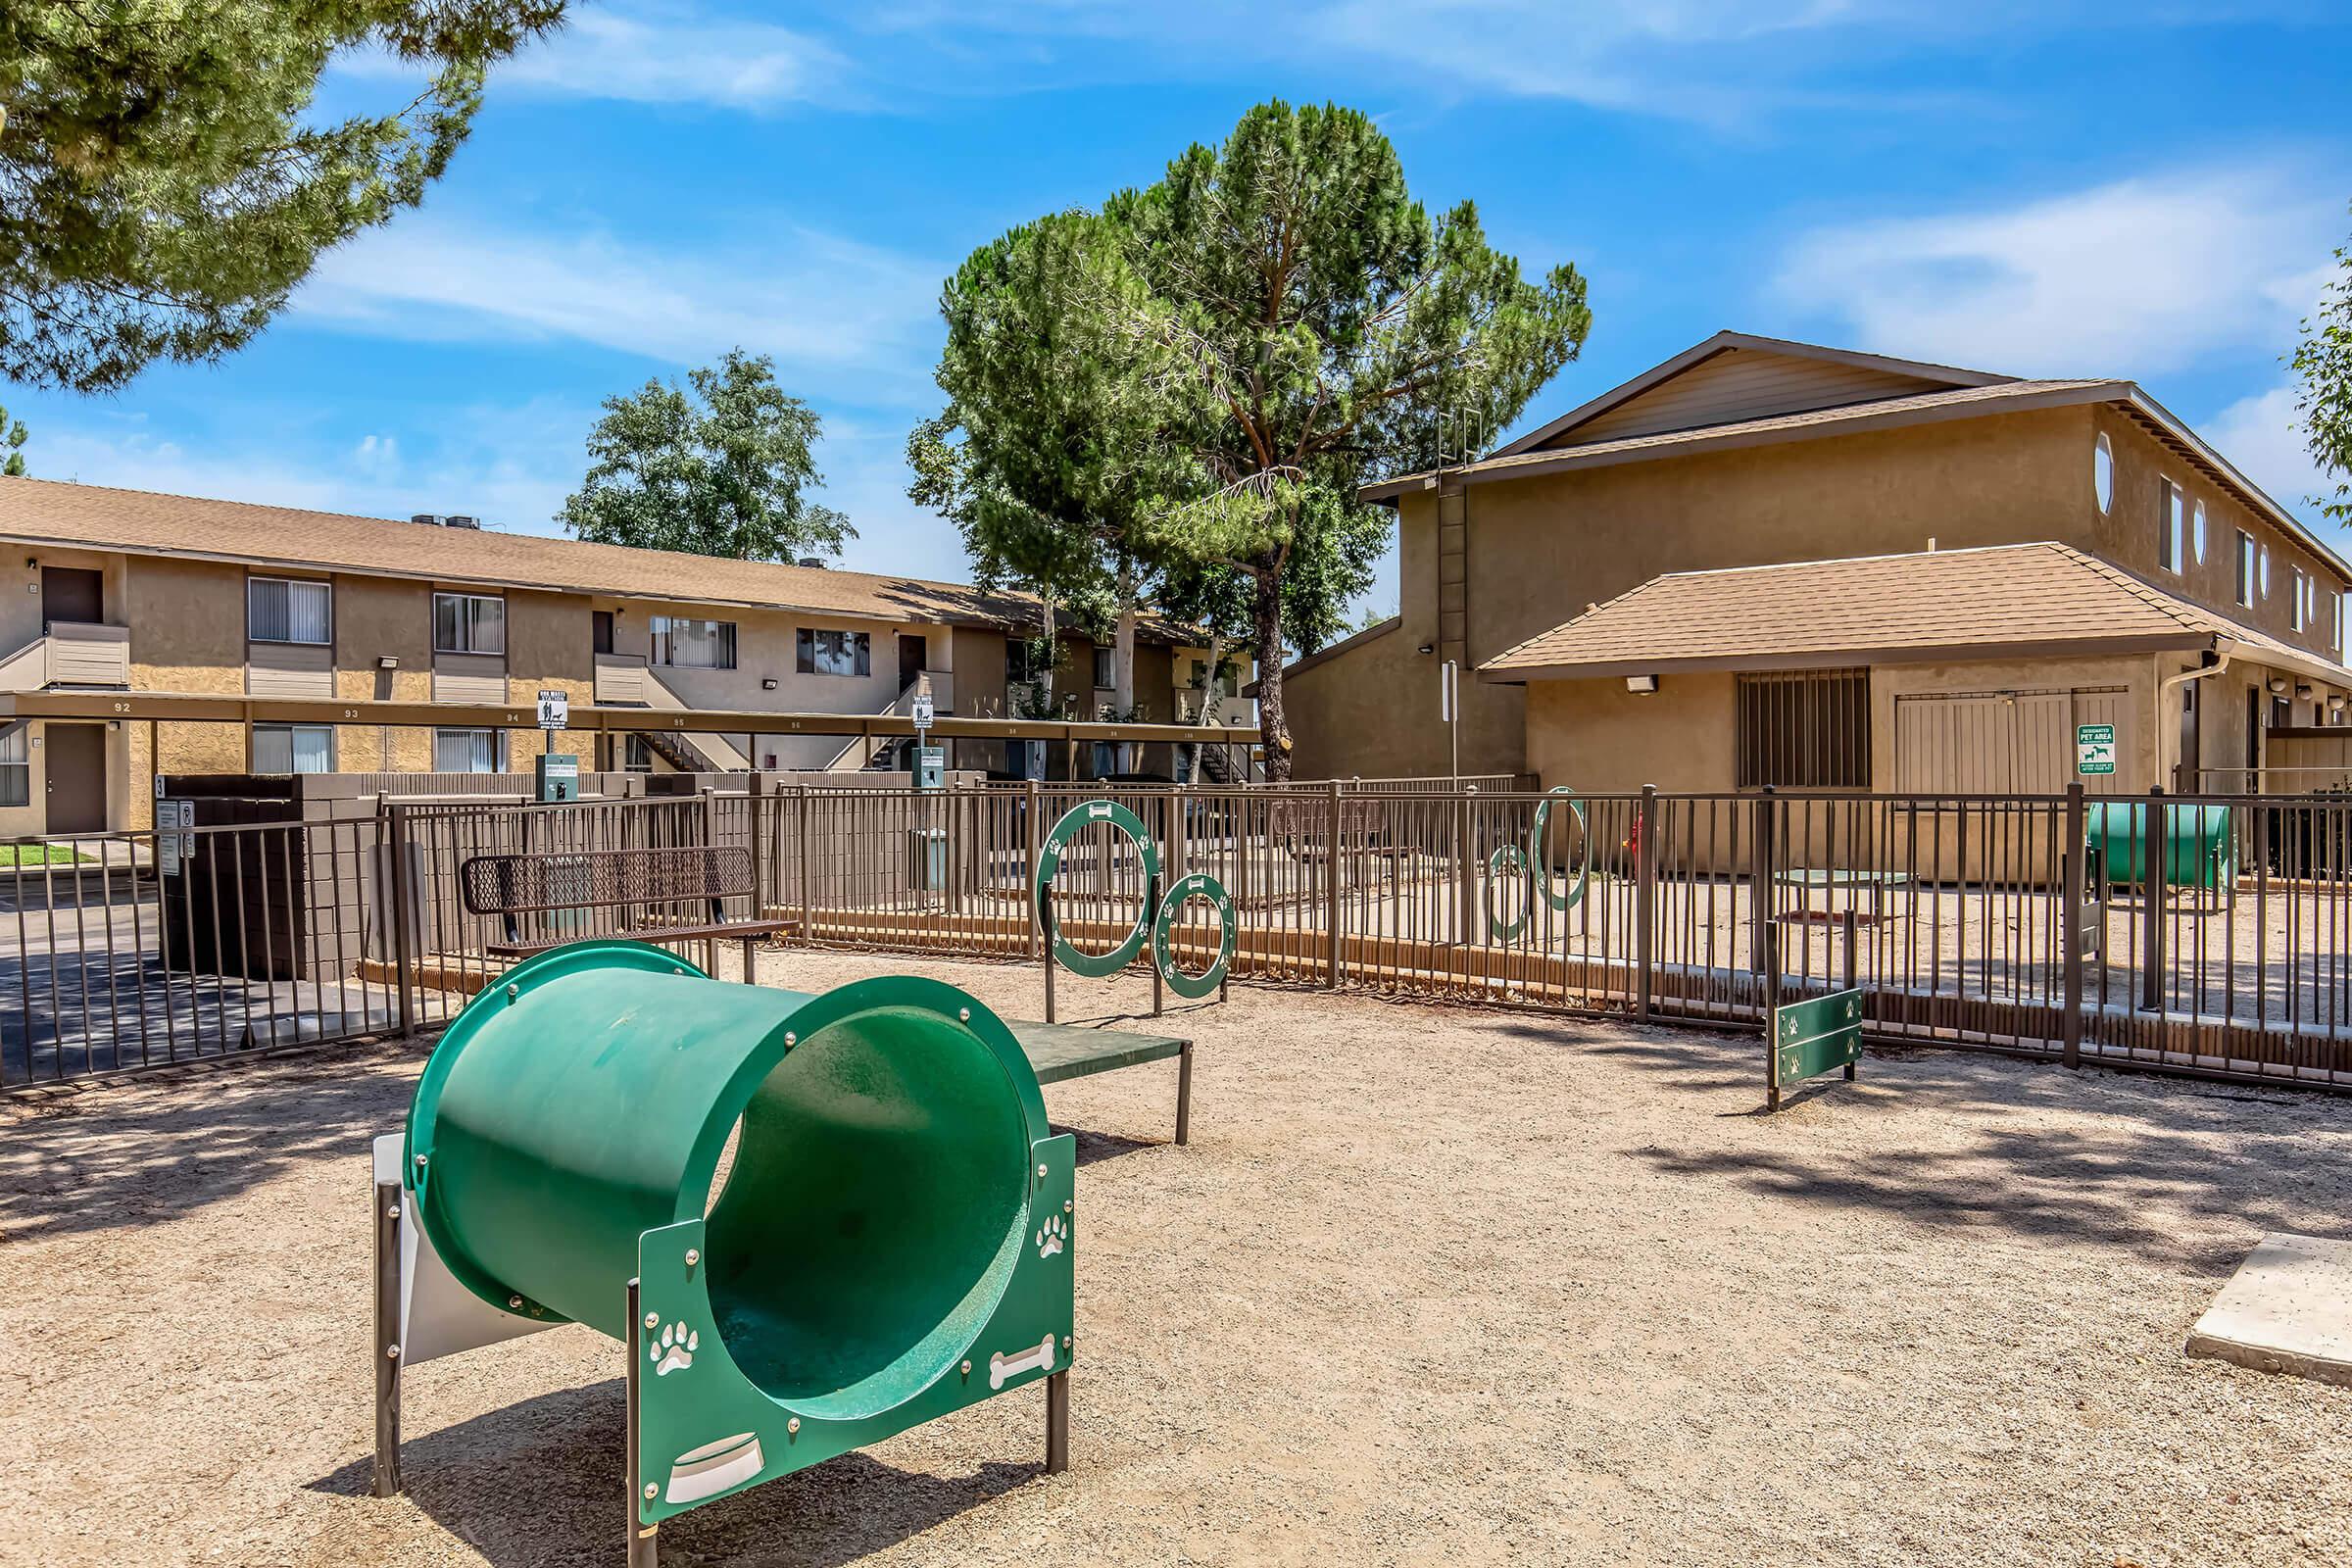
[11,438]
[715,468]
[2322,360]
[1044,456]
[164,185]
[1325,331]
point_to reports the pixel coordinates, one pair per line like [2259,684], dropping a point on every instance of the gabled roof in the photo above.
[1998,601]
[1881,375]
[47,512]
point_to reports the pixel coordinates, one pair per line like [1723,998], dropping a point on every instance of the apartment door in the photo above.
[74,595]
[599,624]
[76,773]
[914,657]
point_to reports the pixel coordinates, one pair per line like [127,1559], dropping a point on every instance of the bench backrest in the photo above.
[585,880]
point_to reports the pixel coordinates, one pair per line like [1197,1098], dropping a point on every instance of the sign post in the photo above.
[2094,749]
[557,774]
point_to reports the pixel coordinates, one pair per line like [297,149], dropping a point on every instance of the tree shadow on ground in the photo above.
[540,1483]
[2026,1149]
[91,1160]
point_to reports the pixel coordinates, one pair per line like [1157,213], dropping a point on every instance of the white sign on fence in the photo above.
[174,848]
[555,710]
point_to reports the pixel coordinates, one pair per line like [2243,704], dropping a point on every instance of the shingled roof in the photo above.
[2002,601]
[43,511]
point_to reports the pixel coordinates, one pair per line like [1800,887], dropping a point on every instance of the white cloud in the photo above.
[658,55]
[810,299]
[2262,436]
[2131,279]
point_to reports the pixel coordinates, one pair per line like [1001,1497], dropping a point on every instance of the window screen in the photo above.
[833,653]
[470,624]
[1803,729]
[293,748]
[466,750]
[280,610]
[693,644]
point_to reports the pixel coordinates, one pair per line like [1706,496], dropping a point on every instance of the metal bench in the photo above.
[1060,1051]
[577,882]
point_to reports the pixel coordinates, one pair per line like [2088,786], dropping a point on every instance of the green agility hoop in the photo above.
[1561,901]
[1199,885]
[1509,859]
[1079,817]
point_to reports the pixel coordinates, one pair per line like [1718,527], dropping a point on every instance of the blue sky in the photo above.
[2147,191]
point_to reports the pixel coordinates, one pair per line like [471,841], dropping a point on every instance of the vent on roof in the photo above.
[817,562]
[461,520]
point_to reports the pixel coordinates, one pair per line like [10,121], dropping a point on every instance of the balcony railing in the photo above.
[72,654]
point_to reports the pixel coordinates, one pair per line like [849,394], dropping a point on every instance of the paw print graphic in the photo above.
[1053,1235]
[673,1351]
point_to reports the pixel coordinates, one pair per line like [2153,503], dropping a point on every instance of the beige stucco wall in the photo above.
[1373,711]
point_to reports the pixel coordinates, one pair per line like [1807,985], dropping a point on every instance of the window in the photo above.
[2262,573]
[2300,586]
[2245,568]
[467,751]
[1024,662]
[469,623]
[693,644]
[833,653]
[2196,532]
[2175,521]
[1229,678]
[637,756]
[1104,676]
[280,610]
[293,748]
[16,766]
[1804,729]
[2102,473]
[2341,597]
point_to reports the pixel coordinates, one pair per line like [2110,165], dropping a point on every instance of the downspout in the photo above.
[2226,649]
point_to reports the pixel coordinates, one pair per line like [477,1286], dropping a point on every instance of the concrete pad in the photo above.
[2288,1308]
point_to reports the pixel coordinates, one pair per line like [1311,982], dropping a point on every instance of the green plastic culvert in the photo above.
[888,1174]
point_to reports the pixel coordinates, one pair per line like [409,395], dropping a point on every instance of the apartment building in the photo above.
[132,591]
[1774,564]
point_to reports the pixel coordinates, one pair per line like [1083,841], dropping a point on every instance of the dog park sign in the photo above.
[2094,749]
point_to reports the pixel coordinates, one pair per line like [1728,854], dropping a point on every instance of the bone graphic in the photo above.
[1002,1368]
[713,1468]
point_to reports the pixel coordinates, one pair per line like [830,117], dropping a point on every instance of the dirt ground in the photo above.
[1430,1285]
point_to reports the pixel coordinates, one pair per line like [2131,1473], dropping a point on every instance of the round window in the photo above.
[2196,531]
[2102,473]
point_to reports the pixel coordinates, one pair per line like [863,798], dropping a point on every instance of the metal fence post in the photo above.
[1330,889]
[2152,871]
[396,831]
[2070,905]
[1645,898]
[808,934]
[759,838]
[1030,806]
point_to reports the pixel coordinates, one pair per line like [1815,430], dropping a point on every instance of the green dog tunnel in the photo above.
[815,1221]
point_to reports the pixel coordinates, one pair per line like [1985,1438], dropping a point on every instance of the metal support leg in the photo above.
[643,1540]
[750,961]
[385,1482]
[1057,1425]
[1184,1094]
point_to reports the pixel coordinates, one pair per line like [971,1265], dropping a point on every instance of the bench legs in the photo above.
[1184,1094]
[750,961]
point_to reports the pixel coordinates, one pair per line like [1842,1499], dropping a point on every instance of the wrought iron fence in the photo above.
[2204,934]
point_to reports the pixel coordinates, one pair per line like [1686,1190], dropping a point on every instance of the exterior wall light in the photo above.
[768,683]
[1642,684]
[2278,685]
[2303,689]
[387,662]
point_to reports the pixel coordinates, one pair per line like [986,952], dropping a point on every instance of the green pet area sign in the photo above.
[2094,747]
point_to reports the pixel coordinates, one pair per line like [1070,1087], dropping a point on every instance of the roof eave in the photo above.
[1829,657]
[1728,440]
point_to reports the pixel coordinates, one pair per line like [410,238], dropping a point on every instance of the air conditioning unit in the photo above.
[461,520]
[432,520]
[817,562]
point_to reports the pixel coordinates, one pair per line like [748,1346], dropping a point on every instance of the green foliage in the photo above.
[164,183]
[1306,328]
[12,440]
[1047,451]
[2322,360]
[715,468]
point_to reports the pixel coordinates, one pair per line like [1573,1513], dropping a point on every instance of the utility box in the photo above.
[930,767]
[557,776]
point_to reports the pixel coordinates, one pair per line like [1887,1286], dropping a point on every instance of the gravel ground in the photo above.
[1430,1285]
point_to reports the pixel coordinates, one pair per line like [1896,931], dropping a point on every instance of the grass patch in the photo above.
[41,855]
